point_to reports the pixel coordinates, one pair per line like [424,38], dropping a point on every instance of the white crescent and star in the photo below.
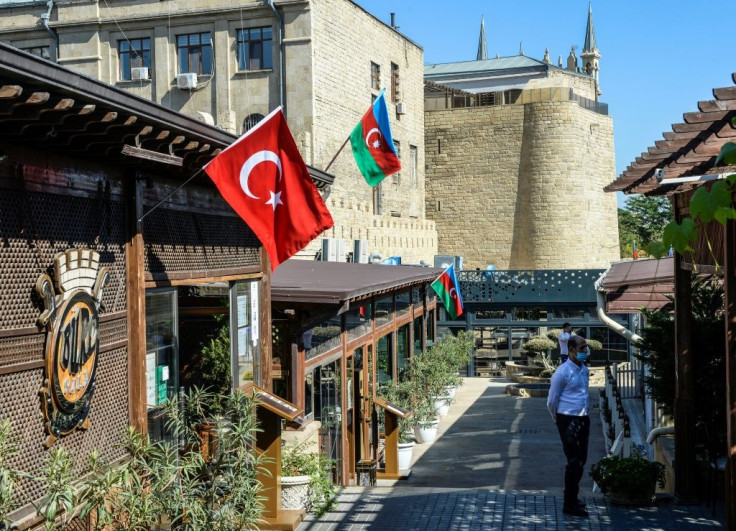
[253,161]
[377,143]
[453,295]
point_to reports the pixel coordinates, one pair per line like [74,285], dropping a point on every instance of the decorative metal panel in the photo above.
[108,415]
[35,227]
[529,286]
[178,241]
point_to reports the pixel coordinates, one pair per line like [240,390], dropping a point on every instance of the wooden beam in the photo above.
[725,93]
[717,105]
[9,92]
[136,296]
[685,470]
[155,156]
[264,305]
[687,128]
[729,288]
[703,117]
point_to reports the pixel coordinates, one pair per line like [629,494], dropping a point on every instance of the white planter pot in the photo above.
[442,405]
[426,434]
[405,453]
[450,392]
[294,492]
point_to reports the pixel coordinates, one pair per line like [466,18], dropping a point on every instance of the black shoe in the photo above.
[580,503]
[575,510]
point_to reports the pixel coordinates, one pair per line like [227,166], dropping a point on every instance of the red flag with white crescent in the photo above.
[265,180]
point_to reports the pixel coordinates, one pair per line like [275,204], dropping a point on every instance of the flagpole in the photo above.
[182,185]
[336,154]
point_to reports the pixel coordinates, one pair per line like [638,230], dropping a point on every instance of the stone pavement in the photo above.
[497,464]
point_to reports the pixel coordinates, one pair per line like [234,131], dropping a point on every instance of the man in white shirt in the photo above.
[568,404]
[562,339]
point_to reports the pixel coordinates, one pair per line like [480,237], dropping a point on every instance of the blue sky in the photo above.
[658,59]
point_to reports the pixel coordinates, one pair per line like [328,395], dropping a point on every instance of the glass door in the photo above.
[162,358]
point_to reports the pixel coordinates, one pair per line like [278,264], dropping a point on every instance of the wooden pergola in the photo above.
[690,150]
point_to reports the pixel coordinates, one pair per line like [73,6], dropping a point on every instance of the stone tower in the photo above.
[590,54]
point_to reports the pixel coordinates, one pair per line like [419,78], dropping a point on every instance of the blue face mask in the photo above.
[582,356]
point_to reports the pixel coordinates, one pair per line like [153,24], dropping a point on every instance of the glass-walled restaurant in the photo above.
[505,309]
[336,344]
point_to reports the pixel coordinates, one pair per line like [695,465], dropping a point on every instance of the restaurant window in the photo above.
[43,52]
[358,320]
[162,358]
[431,330]
[133,53]
[194,51]
[245,333]
[418,326]
[490,314]
[384,310]
[417,297]
[384,353]
[395,82]
[255,48]
[323,337]
[568,313]
[529,314]
[375,77]
[403,352]
[403,300]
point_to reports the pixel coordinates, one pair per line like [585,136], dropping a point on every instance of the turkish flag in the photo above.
[264,178]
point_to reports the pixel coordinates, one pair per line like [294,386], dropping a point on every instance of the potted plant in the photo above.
[628,480]
[400,395]
[306,480]
[424,421]
[9,476]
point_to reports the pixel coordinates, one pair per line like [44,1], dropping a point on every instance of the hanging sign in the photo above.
[72,341]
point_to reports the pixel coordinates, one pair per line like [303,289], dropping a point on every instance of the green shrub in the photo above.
[297,461]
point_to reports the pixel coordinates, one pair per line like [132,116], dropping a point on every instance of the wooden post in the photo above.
[685,466]
[729,266]
[136,296]
[391,450]
[264,303]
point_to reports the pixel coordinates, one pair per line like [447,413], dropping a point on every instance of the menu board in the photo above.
[392,408]
[276,404]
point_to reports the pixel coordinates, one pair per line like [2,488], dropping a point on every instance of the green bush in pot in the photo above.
[628,480]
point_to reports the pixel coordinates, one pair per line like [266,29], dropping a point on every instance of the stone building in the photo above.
[518,151]
[231,63]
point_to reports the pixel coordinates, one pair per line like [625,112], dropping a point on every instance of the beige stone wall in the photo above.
[328,45]
[583,85]
[521,186]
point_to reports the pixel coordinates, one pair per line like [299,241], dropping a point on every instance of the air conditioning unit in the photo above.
[400,107]
[360,251]
[186,81]
[139,73]
[333,250]
[444,261]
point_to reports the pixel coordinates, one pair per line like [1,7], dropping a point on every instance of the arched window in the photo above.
[251,120]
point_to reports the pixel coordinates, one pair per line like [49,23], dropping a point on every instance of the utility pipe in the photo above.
[610,323]
[656,432]
[45,23]
[282,59]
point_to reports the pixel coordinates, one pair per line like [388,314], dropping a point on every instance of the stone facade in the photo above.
[328,45]
[521,186]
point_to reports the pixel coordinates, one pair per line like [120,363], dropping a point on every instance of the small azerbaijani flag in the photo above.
[636,253]
[373,146]
[448,290]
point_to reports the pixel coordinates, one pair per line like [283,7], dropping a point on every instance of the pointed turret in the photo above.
[546,56]
[482,50]
[521,48]
[590,55]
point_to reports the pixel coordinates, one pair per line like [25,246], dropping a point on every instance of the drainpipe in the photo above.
[282,84]
[375,257]
[45,23]
[610,323]
[656,432]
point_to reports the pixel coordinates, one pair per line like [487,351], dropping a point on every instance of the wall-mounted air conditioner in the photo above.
[333,250]
[360,251]
[186,81]
[400,107]
[139,73]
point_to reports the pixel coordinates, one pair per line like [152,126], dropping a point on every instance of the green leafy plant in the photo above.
[9,475]
[633,477]
[399,394]
[296,460]
[59,498]
[538,345]
[215,358]
[594,344]
[708,204]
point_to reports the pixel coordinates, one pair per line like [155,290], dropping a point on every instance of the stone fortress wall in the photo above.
[529,179]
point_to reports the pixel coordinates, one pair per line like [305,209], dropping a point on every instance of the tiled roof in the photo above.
[636,284]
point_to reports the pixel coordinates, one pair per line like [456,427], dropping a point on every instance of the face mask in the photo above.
[582,357]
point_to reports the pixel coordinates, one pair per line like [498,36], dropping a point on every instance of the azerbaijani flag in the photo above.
[373,146]
[635,252]
[448,290]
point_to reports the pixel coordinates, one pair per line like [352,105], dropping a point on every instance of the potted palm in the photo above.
[628,480]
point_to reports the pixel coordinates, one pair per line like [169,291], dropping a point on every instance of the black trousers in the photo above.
[574,433]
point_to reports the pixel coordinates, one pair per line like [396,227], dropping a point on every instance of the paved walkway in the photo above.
[497,464]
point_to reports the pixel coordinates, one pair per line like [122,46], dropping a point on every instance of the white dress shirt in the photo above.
[568,390]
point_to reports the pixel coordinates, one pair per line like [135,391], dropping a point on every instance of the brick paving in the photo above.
[497,464]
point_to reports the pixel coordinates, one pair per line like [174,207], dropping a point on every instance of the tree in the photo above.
[642,220]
